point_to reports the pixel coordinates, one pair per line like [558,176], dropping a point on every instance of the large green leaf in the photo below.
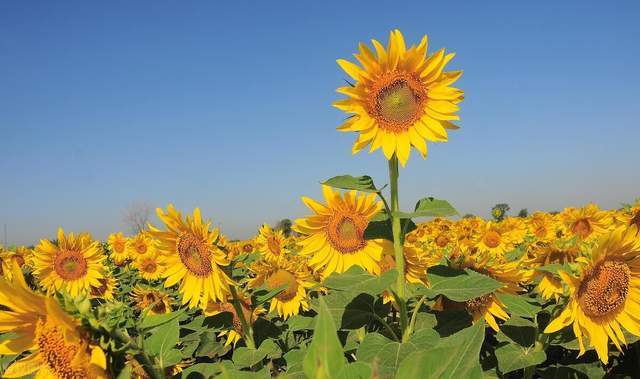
[519,305]
[351,311]
[348,182]
[430,207]
[151,321]
[458,285]
[456,356]
[162,341]
[324,358]
[357,280]
[512,357]
[386,355]
[381,228]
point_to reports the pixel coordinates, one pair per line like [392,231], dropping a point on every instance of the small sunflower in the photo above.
[10,258]
[156,302]
[290,271]
[235,333]
[493,239]
[149,266]
[36,324]
[118,246]
[588,223]
[543,226]
[335,234]
[73,265]
[401,97]
[487,306]
[141,245]
[605,295]
[270,243]
[106,289]
[191,257]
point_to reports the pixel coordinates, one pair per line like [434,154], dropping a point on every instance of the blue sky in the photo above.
[227,107]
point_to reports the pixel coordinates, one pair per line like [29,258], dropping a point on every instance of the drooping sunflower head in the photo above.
[334,236]
[38,325]
[271,243]
[290,273]
[191,255]
[118,247]
[155,301]
[106,289]
[235,333]
[73,265]
[401,97]
[10,258]
[542,254]
[605,295]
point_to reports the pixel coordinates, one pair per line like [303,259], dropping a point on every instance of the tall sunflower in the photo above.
[401,97]
[270,243]
[191,257]
[73,265]
[36,324]
[605,295]
[335,233]
[118,246]
[291,272]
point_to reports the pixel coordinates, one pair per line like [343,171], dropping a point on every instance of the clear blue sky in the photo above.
[227,107]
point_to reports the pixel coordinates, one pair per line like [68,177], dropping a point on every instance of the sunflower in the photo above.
[270,243]
[10,258]
[118,246]
[494,239]
[149,266]
[141,245]
[108,284]
[191,257]
[235,333]
[73,265]
[291,272]
[605,295]
[335,234]
[156,302]
[543,226]
[588,223]
[487,306]
[542,254]
[401,97]
[36,324]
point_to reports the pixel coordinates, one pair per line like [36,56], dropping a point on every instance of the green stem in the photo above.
[386,325]
[144,359]
[246,328]
[397,240]
[414,317]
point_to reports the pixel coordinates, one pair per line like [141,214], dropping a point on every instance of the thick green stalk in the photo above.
[396,227]
[397,242]
[247,331]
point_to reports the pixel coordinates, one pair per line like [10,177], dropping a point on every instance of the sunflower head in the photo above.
[401,97]
[270,243]
[118,246]
[152,300]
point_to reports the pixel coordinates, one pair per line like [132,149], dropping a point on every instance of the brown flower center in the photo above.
[635,220]
[281,278]
[57,355]
[248,248]
[442,241]
[102,290]
[604,288]
[396,101]
[149,266]
[346,233]
[478,304]
[70,264]
[194,254]
[492,239]
[141,247]
[582,228]
[119,246]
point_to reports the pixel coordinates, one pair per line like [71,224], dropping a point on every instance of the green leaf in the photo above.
[294,359]
[456,356]
[458,285]
[519,305]
[151,321]
[386,355]
[518,331]
[512,357]
[430,207]
[356,370]
[357,280]
[348,182]
[351,311]
[262,295]
[381,229]
[162,341]
[246,357]
[299,322]
[553,268]
[324,358]
[210,347]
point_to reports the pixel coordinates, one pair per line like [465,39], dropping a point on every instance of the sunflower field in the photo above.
[356,289]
